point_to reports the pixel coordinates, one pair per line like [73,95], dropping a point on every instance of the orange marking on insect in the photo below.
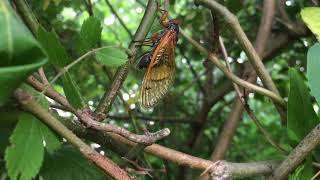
[161,64]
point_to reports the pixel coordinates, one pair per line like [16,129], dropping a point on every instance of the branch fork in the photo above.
[86,117]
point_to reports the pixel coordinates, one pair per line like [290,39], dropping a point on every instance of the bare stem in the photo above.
[297,155]
[247,108]
[232,170]
[73,63]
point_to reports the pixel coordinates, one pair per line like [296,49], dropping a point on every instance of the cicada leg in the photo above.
[163,17]
[145,42]
[149,41]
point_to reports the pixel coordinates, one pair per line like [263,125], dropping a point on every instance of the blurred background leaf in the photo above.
[313,72]
[20,54]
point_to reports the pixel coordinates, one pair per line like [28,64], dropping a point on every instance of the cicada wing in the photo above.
[160,73]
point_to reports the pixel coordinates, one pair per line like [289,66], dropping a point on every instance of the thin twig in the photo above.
[73,63]
[246,106]
[166,5]
[196,77]
[315,176]
[228,131]
[243,40]
[50,93]
[27,15]
[147,139]
[114,12]
[275,97]
[297,155]
[43,76]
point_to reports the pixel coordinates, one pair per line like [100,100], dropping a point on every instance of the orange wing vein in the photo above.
[160,73]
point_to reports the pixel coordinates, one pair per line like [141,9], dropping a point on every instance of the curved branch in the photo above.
[243,40]
[297,155]
[263,34]
[275,97]
[85,116]
[233,169]
[147,139]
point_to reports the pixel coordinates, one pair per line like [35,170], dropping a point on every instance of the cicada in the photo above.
[160,63]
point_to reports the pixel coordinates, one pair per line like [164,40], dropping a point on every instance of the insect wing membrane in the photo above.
[160,72]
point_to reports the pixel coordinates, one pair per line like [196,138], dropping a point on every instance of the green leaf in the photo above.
[304,171]
[313,71]
[58,57]
[112,57]
[71,91]
[46,3]
[41,98]
[51,139]
[311,16]
[301,116]
[16,43]
[25,155]
[234,6]
[4,138]
[9,118]
[56,52]
[90,34]
[66,164]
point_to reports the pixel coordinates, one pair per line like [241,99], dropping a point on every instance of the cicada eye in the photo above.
[144,61]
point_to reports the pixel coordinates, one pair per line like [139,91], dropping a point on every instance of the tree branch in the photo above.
[85,116]
[147,139]
[114,141]
[50,93]
[27,102]
[233,120]
[264,31]
[247,108]
[225,170]
[228,131]
[297,155]
[27,16]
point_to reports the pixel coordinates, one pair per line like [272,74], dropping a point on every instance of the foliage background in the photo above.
[183,103]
